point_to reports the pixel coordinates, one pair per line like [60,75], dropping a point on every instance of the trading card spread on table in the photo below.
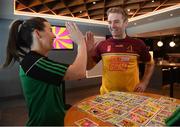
[104,116]
[126,122]
[85,122]
[165,113]
[154,123]
[99,99]
[117,111]
[160,118]
[115,119]
[94,111]
[144,113]
[126,109]
[86,105]
[103,107]
[137,118]
[110,103]
[150,106]
[171,108]
[167,99]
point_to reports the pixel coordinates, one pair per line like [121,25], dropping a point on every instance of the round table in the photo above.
[74,113]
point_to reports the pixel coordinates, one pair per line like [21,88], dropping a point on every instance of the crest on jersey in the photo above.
[130,48]
[108,48]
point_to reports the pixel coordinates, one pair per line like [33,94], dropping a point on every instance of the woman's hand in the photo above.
[75,34]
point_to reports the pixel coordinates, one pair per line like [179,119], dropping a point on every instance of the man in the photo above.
[120,56]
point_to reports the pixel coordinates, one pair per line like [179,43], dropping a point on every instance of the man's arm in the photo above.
[91,46]
[90,62]
[149,68]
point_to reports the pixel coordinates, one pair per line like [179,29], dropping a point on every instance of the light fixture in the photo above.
[94,2]
[80,11]
[172,44]
[128,10]
[160,43]
[152,1]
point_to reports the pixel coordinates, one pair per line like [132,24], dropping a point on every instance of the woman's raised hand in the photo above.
[75,34]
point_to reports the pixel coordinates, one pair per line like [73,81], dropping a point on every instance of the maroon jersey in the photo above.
[120,59]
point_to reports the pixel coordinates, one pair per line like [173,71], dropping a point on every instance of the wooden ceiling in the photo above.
[91,9]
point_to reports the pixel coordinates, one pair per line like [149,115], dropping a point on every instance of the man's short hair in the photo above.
[118,10]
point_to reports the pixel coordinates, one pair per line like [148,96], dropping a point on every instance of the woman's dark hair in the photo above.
[20,38]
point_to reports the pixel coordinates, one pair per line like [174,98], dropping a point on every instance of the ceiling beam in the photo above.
[138,9]
[96,6]
[83,14]
[75,2]
[59,5]
[160,5]
[46,8]
[34,3]
[20,6]
[112,3]
[86,9]
[68,8]
[26,6]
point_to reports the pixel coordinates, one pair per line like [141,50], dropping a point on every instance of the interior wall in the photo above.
[9,79]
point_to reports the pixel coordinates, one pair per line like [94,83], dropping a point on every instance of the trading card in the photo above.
[102,107]
[123,98]
[132,103]
[159,118]
[165,113]
[153,123]
[143,113]
[136,118]
[105,97]
[86,105]
[153,107]
[99,99]
[110,103]
[150,99]
[162,99]
[94,111]
[85,122]
[171,108]
[150,108]
[124,107]
[115,119]
[138,101]
[117,111]
[118,101]
[166,100]
[126,122]
[104,116]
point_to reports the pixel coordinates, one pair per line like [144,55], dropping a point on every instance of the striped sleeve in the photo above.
[48,71]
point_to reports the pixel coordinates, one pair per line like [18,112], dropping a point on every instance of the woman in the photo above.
[29,43]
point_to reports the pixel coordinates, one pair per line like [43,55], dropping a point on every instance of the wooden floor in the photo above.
[13,110]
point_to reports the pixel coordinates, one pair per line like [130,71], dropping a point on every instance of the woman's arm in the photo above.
[78,69]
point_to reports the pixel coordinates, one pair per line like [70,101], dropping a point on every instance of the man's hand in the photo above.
[141,87]
[90,42]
